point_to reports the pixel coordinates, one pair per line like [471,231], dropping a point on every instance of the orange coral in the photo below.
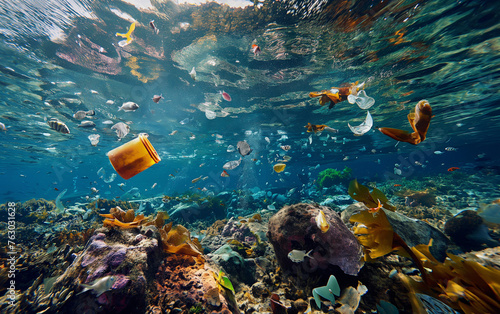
[117,217]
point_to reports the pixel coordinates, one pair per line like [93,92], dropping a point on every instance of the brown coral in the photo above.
[178,240]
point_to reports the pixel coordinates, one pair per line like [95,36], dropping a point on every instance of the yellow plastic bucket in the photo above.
[133,157]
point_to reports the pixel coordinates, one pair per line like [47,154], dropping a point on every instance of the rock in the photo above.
[294,228]
[259,289]
[299,306]
[468,230]
[234,264]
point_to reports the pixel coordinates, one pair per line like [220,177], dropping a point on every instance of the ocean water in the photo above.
[445,52]
[62,56]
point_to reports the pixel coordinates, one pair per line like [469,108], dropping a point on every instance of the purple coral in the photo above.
[237,231]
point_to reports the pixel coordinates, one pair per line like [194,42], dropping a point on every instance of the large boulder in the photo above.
[294,228]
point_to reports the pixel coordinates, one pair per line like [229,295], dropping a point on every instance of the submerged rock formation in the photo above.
[294,228]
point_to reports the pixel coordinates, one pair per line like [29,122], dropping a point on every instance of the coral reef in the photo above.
[330,177]
[106,205]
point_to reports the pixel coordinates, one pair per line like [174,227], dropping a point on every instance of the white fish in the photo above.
[87,124]
[80,114]
[438,152]
[110,102]
[230,165]
[129,106]
[193,74]
[243,148]
[99,286]
[297,256]
[107,122]
[363,127]
[267,140]
[121,129]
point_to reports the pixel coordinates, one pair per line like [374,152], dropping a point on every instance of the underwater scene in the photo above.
[241,156]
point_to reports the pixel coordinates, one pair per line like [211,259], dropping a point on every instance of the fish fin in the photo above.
[307,254]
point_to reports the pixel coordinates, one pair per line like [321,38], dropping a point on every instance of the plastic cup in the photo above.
[133,157]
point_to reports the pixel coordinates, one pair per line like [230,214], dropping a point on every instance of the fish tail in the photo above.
[119,108]
[307,254]
[91,113]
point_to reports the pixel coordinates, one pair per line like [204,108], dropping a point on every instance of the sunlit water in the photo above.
[59,57]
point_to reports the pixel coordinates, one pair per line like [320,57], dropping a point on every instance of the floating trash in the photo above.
[94,139]
[362,100]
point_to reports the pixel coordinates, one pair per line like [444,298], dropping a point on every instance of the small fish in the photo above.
[267,140]
[224,174]
[197,179]
[279,167]
[438,152]
[99,286]
[80,114]
[297,256]
[94,190]
[157,98]
[375,209]
[193,74]
[107,122]
[225,95]
[110,102]
[450,149]
[321,222]
[243,148]
[121,129]
[59,126]
[453,169]
[173,132]
[154,185]
[230,165]
[87,124]
[397,185]
[285,147]
[153,26]
[129,106]
[255,49]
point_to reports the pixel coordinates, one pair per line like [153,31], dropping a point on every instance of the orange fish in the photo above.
[224,174]
[397,184]
[255,49]
[319,128]
[453,169]
[56,189]
[375,209]
[419,122]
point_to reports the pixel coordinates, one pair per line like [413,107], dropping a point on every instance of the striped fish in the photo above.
[59,126]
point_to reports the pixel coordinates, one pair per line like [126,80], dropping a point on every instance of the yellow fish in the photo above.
[127,35]
[279,167]
[321,222]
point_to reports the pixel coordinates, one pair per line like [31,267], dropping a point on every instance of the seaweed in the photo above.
[330,177]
